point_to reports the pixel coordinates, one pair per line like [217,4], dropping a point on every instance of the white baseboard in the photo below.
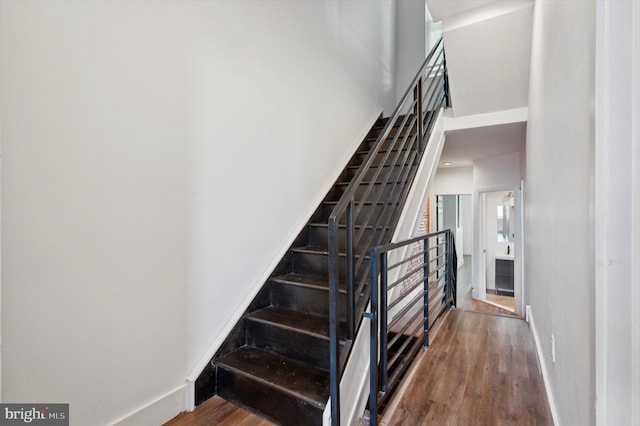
[543,367]
[158,411]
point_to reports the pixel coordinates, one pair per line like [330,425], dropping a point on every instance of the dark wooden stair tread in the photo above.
[366,203]
[306,281]
[383,150]
[341,225]
[287,375]
[312,324]
[321,251]
[364,183]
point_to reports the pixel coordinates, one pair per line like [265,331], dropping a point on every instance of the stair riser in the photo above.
[366,211]
[305,299]
[379,158]
[319,237]
[371,172]
[375,133]
[315,264]
[318,265]
[379,191]
[271,402]
[283,341]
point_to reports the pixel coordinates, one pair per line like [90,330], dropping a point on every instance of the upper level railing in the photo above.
[410,290]
[367,213]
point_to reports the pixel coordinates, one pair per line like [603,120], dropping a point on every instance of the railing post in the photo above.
[426,293]
[350,273]
[452,264]
[373,348]
[447,94]
[448,270]
[419,114]
[334,348]
[383,321]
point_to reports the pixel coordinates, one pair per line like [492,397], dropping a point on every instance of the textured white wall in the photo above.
[559,222]
[467,224]
[158,158]
[617,213]
[457,180]
[410,43]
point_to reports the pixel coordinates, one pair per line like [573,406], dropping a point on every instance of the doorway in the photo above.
[500,236]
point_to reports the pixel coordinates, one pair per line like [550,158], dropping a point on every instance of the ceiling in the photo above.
[488,48]
[463,147]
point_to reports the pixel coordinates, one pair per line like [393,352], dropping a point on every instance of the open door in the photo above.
[500,267]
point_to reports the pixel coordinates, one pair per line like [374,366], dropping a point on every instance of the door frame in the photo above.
[480,271]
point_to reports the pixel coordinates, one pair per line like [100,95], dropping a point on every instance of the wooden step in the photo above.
[282,389]
[361,210]
[379,190]
[318,234]
[387,170]
[305,293]
[315,261]
[299,335]
[396,156]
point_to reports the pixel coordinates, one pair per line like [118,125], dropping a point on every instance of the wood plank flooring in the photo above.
[506,302]
[217,411]
[466,302]
[480,369]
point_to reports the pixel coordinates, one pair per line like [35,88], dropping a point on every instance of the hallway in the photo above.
[481,369]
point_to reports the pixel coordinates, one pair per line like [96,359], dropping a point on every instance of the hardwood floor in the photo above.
[217,411]
[466,302]
[480,369]
[506,302]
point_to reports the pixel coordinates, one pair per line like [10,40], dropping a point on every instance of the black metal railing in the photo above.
[413,284]
[368,211]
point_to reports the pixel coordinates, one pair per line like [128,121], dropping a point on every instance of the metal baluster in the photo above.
[383,320]
[373,346]
[350,273]
[426,293]
[334,349]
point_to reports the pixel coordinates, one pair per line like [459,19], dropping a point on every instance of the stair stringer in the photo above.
[354,384]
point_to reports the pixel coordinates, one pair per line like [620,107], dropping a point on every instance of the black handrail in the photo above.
[399,148]
[436,274]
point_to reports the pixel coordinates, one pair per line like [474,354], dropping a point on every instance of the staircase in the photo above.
[284,358]
[275,362]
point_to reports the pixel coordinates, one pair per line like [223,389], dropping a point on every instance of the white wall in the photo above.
[617,213]
[410,43]
[559,224]
[450,213]
[433,30]
[457,180]
[145,146]
[467,224]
